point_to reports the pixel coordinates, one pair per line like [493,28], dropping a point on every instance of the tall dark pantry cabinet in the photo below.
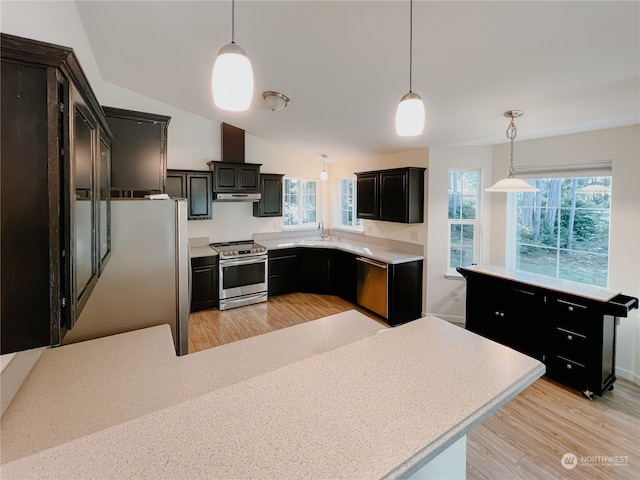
[55,180]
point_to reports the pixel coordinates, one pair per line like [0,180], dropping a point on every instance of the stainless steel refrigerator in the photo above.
[147,279]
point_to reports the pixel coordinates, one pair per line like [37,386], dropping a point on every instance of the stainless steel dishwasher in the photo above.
[372,286]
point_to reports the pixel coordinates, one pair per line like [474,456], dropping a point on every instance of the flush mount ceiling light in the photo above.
[275,100]
[232,79]
[323,174]
[511,183]
[410,115]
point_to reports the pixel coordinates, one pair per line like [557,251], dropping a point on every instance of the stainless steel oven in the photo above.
[243,274]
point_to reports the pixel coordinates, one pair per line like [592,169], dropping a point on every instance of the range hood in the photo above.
[232,155]
[237,197]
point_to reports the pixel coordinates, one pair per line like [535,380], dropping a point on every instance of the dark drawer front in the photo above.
[571,345]
[568,371]
[283,265]
[579,318]
[202,261]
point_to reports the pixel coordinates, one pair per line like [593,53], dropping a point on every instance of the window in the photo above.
[464,202]
[300,202]
[345,212]
[563,230]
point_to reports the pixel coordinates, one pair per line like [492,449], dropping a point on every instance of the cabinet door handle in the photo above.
[502,314]
[497,313]
[569,337]
[568,366]
[571,309]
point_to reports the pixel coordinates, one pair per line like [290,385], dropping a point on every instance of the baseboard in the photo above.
[628,375]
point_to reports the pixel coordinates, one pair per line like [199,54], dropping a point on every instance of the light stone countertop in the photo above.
[376,252]
[204,251]
[592,292]
[379,407]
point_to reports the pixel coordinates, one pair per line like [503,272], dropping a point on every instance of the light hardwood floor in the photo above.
[525,440]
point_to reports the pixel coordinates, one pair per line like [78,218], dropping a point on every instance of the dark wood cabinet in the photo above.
[195,186]
[55,153]
[139,152]
[270,203]
[573,335]
[316,270]
[367,194]
[345,276]
[204,283]
[393,195]
[284,271]
[235,177]
[405,292]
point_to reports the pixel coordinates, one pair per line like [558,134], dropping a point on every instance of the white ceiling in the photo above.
[571,66]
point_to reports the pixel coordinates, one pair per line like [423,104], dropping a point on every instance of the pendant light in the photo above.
[323,174]
[410,115]
[511,183]
[232,79]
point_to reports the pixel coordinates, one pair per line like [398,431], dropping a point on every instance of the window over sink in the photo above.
[345,205]
[300,202]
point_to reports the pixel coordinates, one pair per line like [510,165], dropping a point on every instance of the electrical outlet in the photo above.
[415,236]
[276,226]
[455,296]
[369,229]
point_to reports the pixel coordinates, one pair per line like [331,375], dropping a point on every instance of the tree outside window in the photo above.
[300,202]
[464,201]
[563,230]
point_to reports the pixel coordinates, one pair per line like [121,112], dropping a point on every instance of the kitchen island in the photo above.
[384,406]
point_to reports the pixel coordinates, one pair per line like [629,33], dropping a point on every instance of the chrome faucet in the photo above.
[323,234]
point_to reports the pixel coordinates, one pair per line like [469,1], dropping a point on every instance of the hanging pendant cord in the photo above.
[233,21]
[410,43]
[512,131]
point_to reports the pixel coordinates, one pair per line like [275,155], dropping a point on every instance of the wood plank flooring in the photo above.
[525,440]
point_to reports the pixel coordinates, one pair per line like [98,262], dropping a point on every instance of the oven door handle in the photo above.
[243,261]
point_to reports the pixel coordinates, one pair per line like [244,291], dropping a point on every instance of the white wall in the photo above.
[56,22]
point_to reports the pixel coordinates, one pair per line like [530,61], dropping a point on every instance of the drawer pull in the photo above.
[499,314]
[571,309]
[569,337]
[568,366]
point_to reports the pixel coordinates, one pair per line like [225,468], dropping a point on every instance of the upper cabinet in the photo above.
[270,203]
[394,195]
[231,177]
[55,155]
[139,152]
[195,186]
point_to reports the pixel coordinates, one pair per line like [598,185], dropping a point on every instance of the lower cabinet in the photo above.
[334,272]
[284,267]
[204,283]
[573,336]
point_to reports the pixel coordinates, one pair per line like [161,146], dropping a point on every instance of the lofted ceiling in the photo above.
[571,66]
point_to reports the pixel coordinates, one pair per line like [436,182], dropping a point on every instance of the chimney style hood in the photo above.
[234,180]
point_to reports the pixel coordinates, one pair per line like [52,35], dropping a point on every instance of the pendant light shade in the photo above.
[511,183]
[410,115]
[232,78]
[323,174]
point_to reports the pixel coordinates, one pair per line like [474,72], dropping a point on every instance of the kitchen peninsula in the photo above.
[351,401]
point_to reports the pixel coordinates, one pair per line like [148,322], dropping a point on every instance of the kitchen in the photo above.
[193,140]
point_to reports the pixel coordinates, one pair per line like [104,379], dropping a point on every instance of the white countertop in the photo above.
[376,252]
[592,292]
[379,407]
[204,251]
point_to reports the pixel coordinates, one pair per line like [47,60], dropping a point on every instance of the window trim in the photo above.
[452,272]
[337,206]
[308,225]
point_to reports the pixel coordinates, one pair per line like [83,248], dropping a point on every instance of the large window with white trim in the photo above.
[345,205]
[300,202]
[464,214]
[563,229]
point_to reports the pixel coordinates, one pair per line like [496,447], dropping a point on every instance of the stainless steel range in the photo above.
[243,273]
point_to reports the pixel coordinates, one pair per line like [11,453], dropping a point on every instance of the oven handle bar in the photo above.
[243,261]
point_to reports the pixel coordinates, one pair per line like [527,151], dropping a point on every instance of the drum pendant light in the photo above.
[232,79]
[511,183]
[410,115]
